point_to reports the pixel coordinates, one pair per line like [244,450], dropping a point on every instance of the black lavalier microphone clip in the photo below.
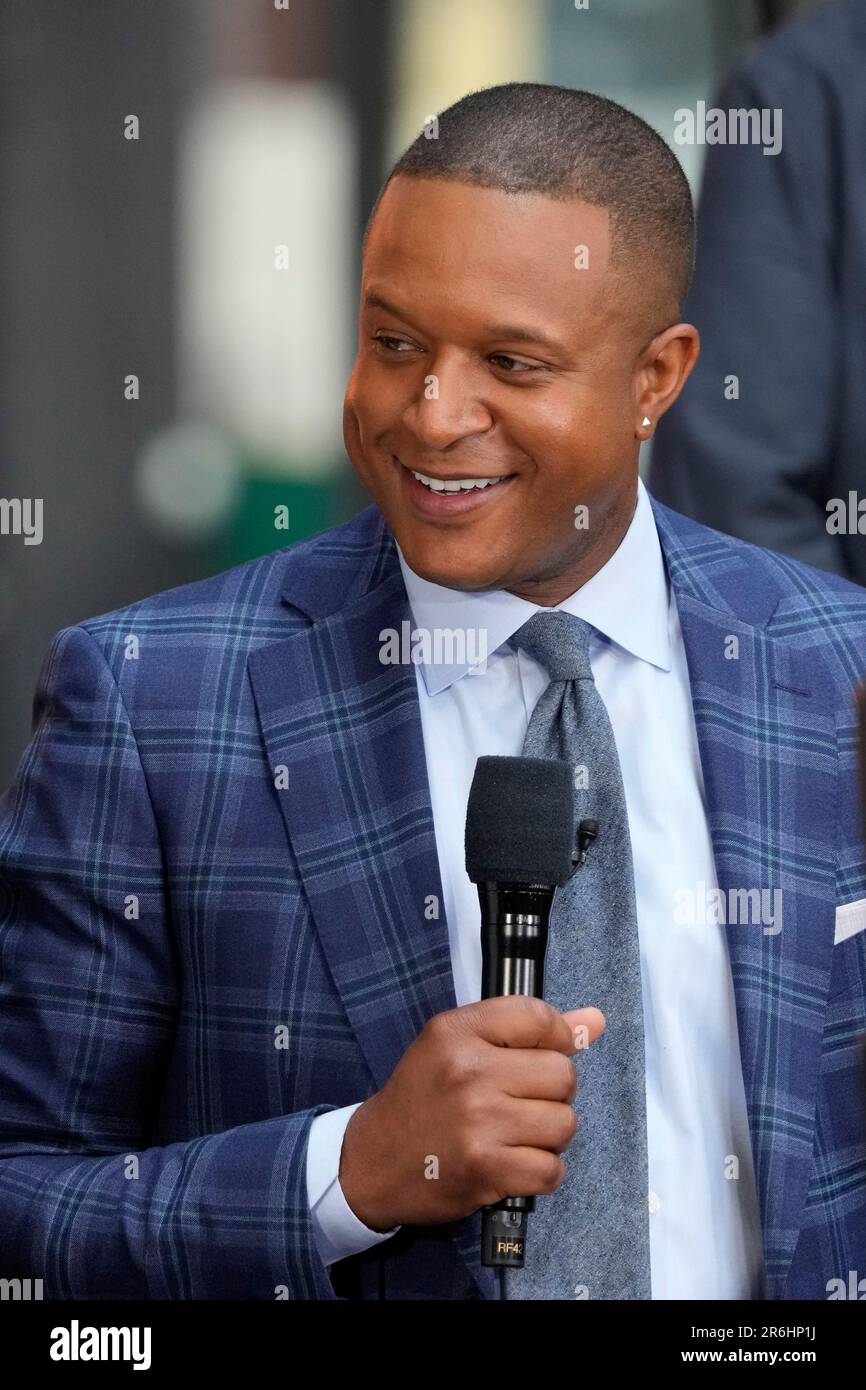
[587,831]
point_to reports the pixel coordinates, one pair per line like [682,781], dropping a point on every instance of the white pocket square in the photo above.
[850,919]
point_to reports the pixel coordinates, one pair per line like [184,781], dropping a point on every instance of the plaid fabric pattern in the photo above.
[216,868]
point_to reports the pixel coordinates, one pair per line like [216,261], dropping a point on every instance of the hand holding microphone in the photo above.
[479,1108]
[486,1093]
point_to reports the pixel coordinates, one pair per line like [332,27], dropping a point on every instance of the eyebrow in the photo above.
[511,332]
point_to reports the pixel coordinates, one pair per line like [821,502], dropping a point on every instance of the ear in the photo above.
[661,373]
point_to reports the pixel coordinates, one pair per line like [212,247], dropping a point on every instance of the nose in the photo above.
[449,408]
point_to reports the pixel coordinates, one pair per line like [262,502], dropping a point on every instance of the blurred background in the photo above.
[184,188]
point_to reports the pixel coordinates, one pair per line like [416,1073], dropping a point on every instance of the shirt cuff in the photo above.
[338,1231]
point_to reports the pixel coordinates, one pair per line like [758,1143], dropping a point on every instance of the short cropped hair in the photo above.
[529,137]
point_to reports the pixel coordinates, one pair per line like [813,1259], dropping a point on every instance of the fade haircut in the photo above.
[529,137]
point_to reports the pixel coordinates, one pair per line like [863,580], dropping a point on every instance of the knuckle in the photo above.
[461,1066]
[538,1010]
[475,1158]
[437,1027]
[569,1127]
[568,1077]
[551,1173]
[473,1111]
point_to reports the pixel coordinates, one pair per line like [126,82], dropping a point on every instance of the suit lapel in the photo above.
[358,814]
[347,730]
[765,728]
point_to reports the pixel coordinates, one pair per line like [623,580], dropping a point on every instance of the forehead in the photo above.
[440,241]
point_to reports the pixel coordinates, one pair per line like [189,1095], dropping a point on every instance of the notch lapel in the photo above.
[358,814]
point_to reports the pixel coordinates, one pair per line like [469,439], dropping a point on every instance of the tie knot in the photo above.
[559,641]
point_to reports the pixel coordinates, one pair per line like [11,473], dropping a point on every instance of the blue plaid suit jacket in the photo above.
[198,959]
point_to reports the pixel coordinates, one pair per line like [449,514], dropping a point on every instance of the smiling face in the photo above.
[485,353]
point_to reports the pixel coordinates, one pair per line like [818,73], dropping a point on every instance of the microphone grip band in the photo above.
[514,920]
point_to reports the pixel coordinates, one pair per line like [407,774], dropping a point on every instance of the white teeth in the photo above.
[454,484]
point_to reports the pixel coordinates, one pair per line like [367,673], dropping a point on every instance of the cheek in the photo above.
[554,434]
[359,423]
[554,424]
[351,428]
[577,436]
[357,431]
[373,401]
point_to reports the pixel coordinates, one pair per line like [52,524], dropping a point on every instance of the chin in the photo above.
[457,574]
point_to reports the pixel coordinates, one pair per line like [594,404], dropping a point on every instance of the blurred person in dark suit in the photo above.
[779,297]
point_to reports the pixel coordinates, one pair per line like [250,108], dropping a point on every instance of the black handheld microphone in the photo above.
[520,847]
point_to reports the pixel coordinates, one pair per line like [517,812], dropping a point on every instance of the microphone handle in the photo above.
[514,920]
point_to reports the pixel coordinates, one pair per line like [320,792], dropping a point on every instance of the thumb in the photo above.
[586,1026]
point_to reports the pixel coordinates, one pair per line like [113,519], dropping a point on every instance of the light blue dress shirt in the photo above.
[705,1240]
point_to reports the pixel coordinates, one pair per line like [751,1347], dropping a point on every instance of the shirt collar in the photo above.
[626,601]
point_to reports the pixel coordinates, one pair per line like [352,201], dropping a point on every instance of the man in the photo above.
[767,443]
[244,1054]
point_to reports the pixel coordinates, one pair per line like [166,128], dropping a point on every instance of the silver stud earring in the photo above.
[646,421]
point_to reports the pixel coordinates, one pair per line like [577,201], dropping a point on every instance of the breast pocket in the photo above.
[850,919]
[849,950]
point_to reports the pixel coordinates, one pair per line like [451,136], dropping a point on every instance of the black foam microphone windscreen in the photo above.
[520,821]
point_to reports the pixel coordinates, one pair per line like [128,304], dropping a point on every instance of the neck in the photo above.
[548,590]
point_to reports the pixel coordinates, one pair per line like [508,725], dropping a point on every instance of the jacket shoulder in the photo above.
[334,557]
[796,603]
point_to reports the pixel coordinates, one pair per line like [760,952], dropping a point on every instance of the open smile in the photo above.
[437,497]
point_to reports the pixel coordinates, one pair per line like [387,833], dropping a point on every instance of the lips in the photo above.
[442,505]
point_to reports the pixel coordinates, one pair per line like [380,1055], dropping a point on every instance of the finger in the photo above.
[586,1026]
[533,1073]
[515,1021]
[536,1124]
[528,1172]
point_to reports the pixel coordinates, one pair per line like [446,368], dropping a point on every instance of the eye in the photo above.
[390,343]
[521,367]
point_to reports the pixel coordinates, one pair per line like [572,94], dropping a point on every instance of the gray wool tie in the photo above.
[590,1238]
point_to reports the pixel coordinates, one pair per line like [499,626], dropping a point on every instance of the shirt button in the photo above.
[654,1203]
